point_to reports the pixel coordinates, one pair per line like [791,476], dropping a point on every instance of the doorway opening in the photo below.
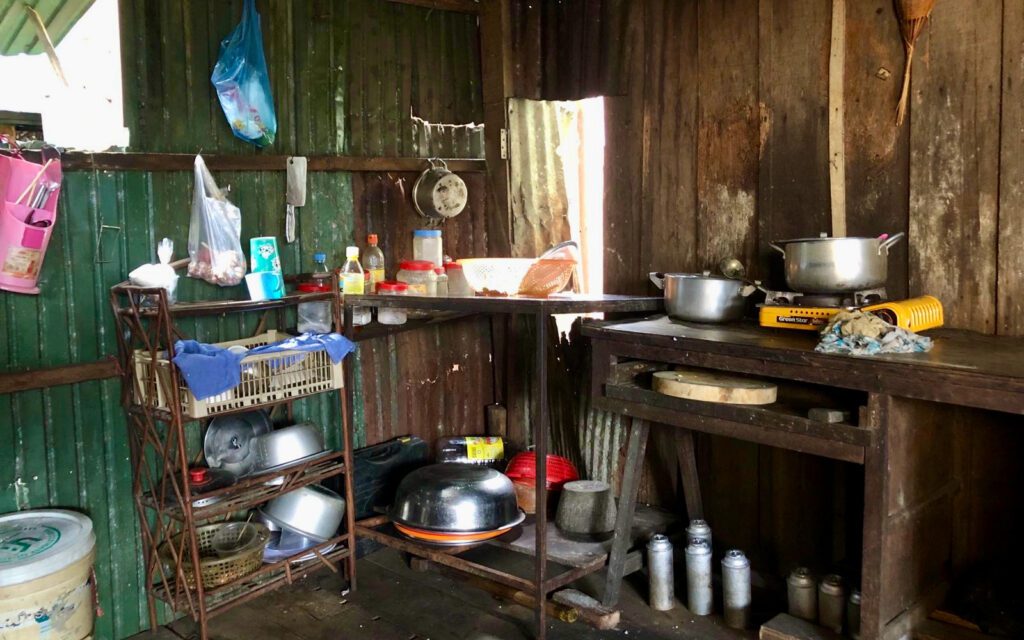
[557,154]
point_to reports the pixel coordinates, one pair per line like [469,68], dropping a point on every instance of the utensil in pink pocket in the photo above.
[28,212]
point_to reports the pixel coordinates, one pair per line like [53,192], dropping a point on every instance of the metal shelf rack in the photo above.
[541,584]
[161,457]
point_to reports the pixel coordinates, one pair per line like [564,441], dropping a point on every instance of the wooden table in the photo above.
[902,433]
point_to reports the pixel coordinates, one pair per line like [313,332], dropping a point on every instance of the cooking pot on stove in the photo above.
[836,265]
[702,297]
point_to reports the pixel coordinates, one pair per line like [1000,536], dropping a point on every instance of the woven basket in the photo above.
[215,569]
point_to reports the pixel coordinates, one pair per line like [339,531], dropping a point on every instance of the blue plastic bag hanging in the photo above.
[242,83]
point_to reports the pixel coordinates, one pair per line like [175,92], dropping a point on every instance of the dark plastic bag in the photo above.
[242,82]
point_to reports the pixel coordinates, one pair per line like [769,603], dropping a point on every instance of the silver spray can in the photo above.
[736,589]
[802,593]
[831,602]
[853,615]
[698,577]
[698,530]
[659,568]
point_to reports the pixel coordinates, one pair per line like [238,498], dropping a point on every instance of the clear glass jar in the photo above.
[420,276]
[442,283]
[388,315]
[458,286]
[314,317]
[426,245]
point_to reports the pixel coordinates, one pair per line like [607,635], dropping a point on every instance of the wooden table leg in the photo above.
[688,469]
[627,504]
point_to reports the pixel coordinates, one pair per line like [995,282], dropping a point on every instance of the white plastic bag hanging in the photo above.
[214,235]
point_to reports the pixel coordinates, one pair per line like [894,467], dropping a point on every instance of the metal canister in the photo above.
[659,569]
[802,593]
[831,602]
[736,589]
[698,530]
[698,577]
[853,615]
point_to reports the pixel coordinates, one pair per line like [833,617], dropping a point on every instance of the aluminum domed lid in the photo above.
[37,543]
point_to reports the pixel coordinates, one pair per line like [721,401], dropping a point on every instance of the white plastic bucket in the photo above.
[45,564]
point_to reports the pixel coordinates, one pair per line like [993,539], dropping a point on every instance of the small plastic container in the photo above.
[442,282]
[426,245]
[314,317]
[386,315]
[420,276]
[458,287]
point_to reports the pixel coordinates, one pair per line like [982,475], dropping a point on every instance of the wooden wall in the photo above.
[720,144]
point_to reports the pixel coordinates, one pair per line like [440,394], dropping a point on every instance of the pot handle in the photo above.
[777,248]
[889,242]
[438,163]
[658,278]
[751,287]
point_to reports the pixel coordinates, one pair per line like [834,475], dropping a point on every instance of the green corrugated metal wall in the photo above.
[345,75]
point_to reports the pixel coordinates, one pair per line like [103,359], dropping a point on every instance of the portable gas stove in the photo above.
[812,311]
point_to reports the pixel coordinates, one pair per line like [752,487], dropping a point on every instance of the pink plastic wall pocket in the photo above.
[30,193]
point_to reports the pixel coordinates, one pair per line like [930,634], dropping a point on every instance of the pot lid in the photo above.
[824,237]
[37,543]
[706,275]
[227,439]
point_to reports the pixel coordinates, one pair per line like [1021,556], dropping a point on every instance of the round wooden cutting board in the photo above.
[714,387]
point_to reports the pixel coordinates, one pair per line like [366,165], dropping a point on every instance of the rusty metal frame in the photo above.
[541,309]
[160,460]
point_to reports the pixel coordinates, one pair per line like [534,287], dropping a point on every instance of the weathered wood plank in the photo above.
[1010,302]
[729,144]
[954,179]
[877,153]
[793,193]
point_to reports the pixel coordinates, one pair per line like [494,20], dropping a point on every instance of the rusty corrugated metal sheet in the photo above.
[568,49]
[347,77]
[18,33]
[67,446]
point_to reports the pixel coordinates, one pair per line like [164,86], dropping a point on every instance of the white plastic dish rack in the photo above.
[266,378]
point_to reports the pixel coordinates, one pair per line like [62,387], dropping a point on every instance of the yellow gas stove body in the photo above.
[915,314]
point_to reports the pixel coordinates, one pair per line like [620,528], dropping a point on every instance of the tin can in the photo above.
[698,530]
[659,568]
[736,589]
[832,602]
[698,577]
[802,594]
[853,615]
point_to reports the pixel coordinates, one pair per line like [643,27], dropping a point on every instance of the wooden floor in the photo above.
[395,603]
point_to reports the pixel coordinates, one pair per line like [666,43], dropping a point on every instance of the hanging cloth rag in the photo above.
[208,370]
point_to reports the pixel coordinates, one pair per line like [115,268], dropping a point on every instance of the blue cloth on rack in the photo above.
[208,369]
[337,346]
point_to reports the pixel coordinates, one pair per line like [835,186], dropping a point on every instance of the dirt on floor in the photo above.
[395,603]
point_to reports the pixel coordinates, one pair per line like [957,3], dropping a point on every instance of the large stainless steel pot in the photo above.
[836,265]
[456,498]
[702,297]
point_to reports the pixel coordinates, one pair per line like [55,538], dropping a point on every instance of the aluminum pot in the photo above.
[702,297]
[284,447]
[836,265]
[456,498]
[312,511]
[438,193]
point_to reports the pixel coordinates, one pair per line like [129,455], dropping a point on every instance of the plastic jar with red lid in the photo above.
[419,275]
[314,317]
[388,315]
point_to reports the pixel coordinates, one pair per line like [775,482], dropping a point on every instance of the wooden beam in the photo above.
[76,161]
[51,377]
[496,72]
[465,6]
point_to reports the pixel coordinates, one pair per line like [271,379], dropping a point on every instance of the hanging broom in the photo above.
[913,15]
